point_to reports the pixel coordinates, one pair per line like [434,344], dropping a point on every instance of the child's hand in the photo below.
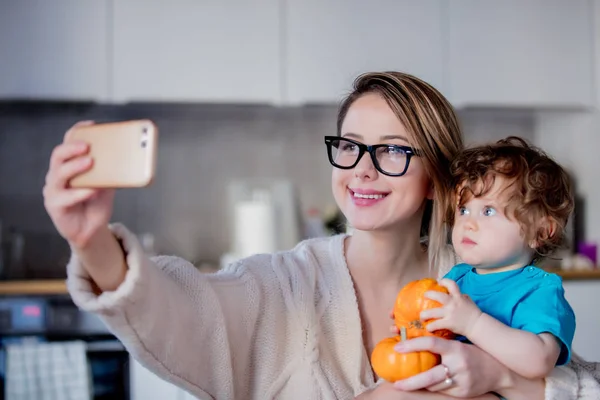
[458,312]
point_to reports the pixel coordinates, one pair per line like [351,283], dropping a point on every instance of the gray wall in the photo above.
[202,148]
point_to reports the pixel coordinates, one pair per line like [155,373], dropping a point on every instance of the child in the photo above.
[512,203]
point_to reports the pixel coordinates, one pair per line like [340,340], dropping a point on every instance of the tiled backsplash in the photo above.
[202,148]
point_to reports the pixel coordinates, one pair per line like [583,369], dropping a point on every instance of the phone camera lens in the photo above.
[144,143]
[145,131]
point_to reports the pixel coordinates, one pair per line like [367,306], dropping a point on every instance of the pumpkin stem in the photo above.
[403,333]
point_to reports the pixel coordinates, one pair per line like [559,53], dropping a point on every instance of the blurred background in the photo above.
[243,92]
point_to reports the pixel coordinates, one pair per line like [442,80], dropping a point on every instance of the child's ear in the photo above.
[547,228]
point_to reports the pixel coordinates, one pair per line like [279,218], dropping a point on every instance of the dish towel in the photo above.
[47,371]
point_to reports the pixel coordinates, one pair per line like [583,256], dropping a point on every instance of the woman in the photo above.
[302,323]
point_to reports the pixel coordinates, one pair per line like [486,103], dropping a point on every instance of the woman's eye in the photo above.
[395,151]
[489,211]
[348,147]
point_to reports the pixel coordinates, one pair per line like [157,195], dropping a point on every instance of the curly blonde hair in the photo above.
[539,191]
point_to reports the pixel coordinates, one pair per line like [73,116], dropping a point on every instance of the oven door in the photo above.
[109,370]
[108,367]
[47,319]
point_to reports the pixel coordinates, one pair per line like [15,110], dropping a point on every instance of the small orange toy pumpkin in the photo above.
[409,304]
[393,366]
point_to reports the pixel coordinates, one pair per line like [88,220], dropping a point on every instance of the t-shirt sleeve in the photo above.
[545,309]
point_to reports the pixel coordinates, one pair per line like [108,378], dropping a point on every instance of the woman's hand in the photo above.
[471,371]
[77,214]
[386,391]
[81,216]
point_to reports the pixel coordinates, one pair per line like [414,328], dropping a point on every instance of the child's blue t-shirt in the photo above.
[527,298]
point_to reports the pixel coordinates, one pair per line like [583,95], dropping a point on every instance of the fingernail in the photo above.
[399,348]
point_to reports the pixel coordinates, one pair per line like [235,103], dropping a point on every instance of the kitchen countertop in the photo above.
[33,287]
[575,275]
[58,286]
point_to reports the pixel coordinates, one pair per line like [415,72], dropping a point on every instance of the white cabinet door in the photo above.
[55,50]
[596,72]
[583,296]
[186,396]
[520,53]
[185,50]
[330,42]
[145,385]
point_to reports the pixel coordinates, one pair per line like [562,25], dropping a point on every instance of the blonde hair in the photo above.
[436,133]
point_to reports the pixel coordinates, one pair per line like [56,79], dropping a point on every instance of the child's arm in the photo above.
[528,354]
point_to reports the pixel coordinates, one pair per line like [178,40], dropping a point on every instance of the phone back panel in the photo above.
[123,153]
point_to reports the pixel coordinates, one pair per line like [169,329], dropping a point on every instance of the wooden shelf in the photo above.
[57,286]
[573,275]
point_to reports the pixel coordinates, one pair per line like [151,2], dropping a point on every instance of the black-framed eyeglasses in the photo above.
[389,159]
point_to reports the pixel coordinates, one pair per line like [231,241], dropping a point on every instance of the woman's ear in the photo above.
[431,192]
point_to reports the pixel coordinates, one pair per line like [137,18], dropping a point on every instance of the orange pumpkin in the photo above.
[409,304]
[393,366]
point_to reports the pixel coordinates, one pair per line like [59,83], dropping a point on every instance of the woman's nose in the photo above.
[365,168]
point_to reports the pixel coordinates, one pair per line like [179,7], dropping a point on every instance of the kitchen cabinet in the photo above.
[537,53]
[582,295]
[145,385]
[520,53]
[55,50]
[204,51]
[186,396]
[328,43]
[596,17]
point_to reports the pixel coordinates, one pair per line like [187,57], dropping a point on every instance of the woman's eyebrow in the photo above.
[352,135]
[382,138]
[388,137]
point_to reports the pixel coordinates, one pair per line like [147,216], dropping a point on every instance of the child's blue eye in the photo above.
[489,211]
[462,211]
